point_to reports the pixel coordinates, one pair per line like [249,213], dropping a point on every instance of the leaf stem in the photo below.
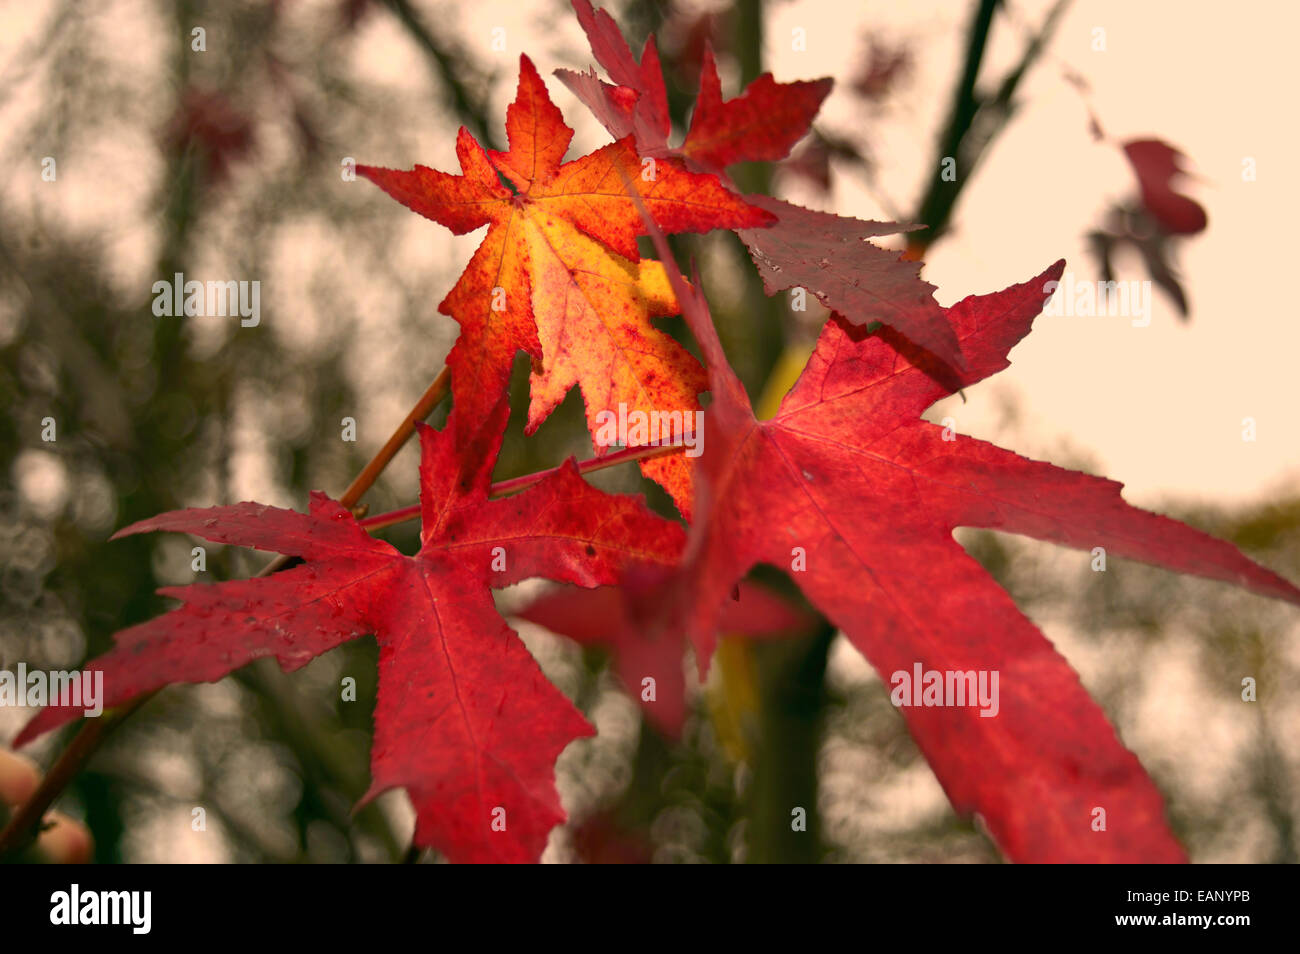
[432,397]
[504,488]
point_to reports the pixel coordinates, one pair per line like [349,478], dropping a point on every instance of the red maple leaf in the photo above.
[615,615]
[818,251]
[829,255]
[1157,164]
[857,496]
[465,720]
[558,274]
[762,123]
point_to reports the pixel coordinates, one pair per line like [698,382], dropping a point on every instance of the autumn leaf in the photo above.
[885,65]
[558,274]
[762,123]
[465,719]
[1157,165]
[856,496]
[818,251]
[637,104]
[612,616]
[830,257]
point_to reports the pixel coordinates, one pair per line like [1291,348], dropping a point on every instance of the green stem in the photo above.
[784,823]
[936,207]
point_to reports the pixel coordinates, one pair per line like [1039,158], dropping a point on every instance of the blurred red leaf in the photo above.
[1157,165]
[612,616]
[601,840]
[206,122]
[885,67]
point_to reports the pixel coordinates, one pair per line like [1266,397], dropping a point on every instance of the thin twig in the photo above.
[974,121]
[423,408]
[357,489]
[451,68]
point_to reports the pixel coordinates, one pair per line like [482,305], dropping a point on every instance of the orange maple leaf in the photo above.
[558,274]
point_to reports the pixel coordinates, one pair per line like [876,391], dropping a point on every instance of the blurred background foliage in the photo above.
[227,163]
